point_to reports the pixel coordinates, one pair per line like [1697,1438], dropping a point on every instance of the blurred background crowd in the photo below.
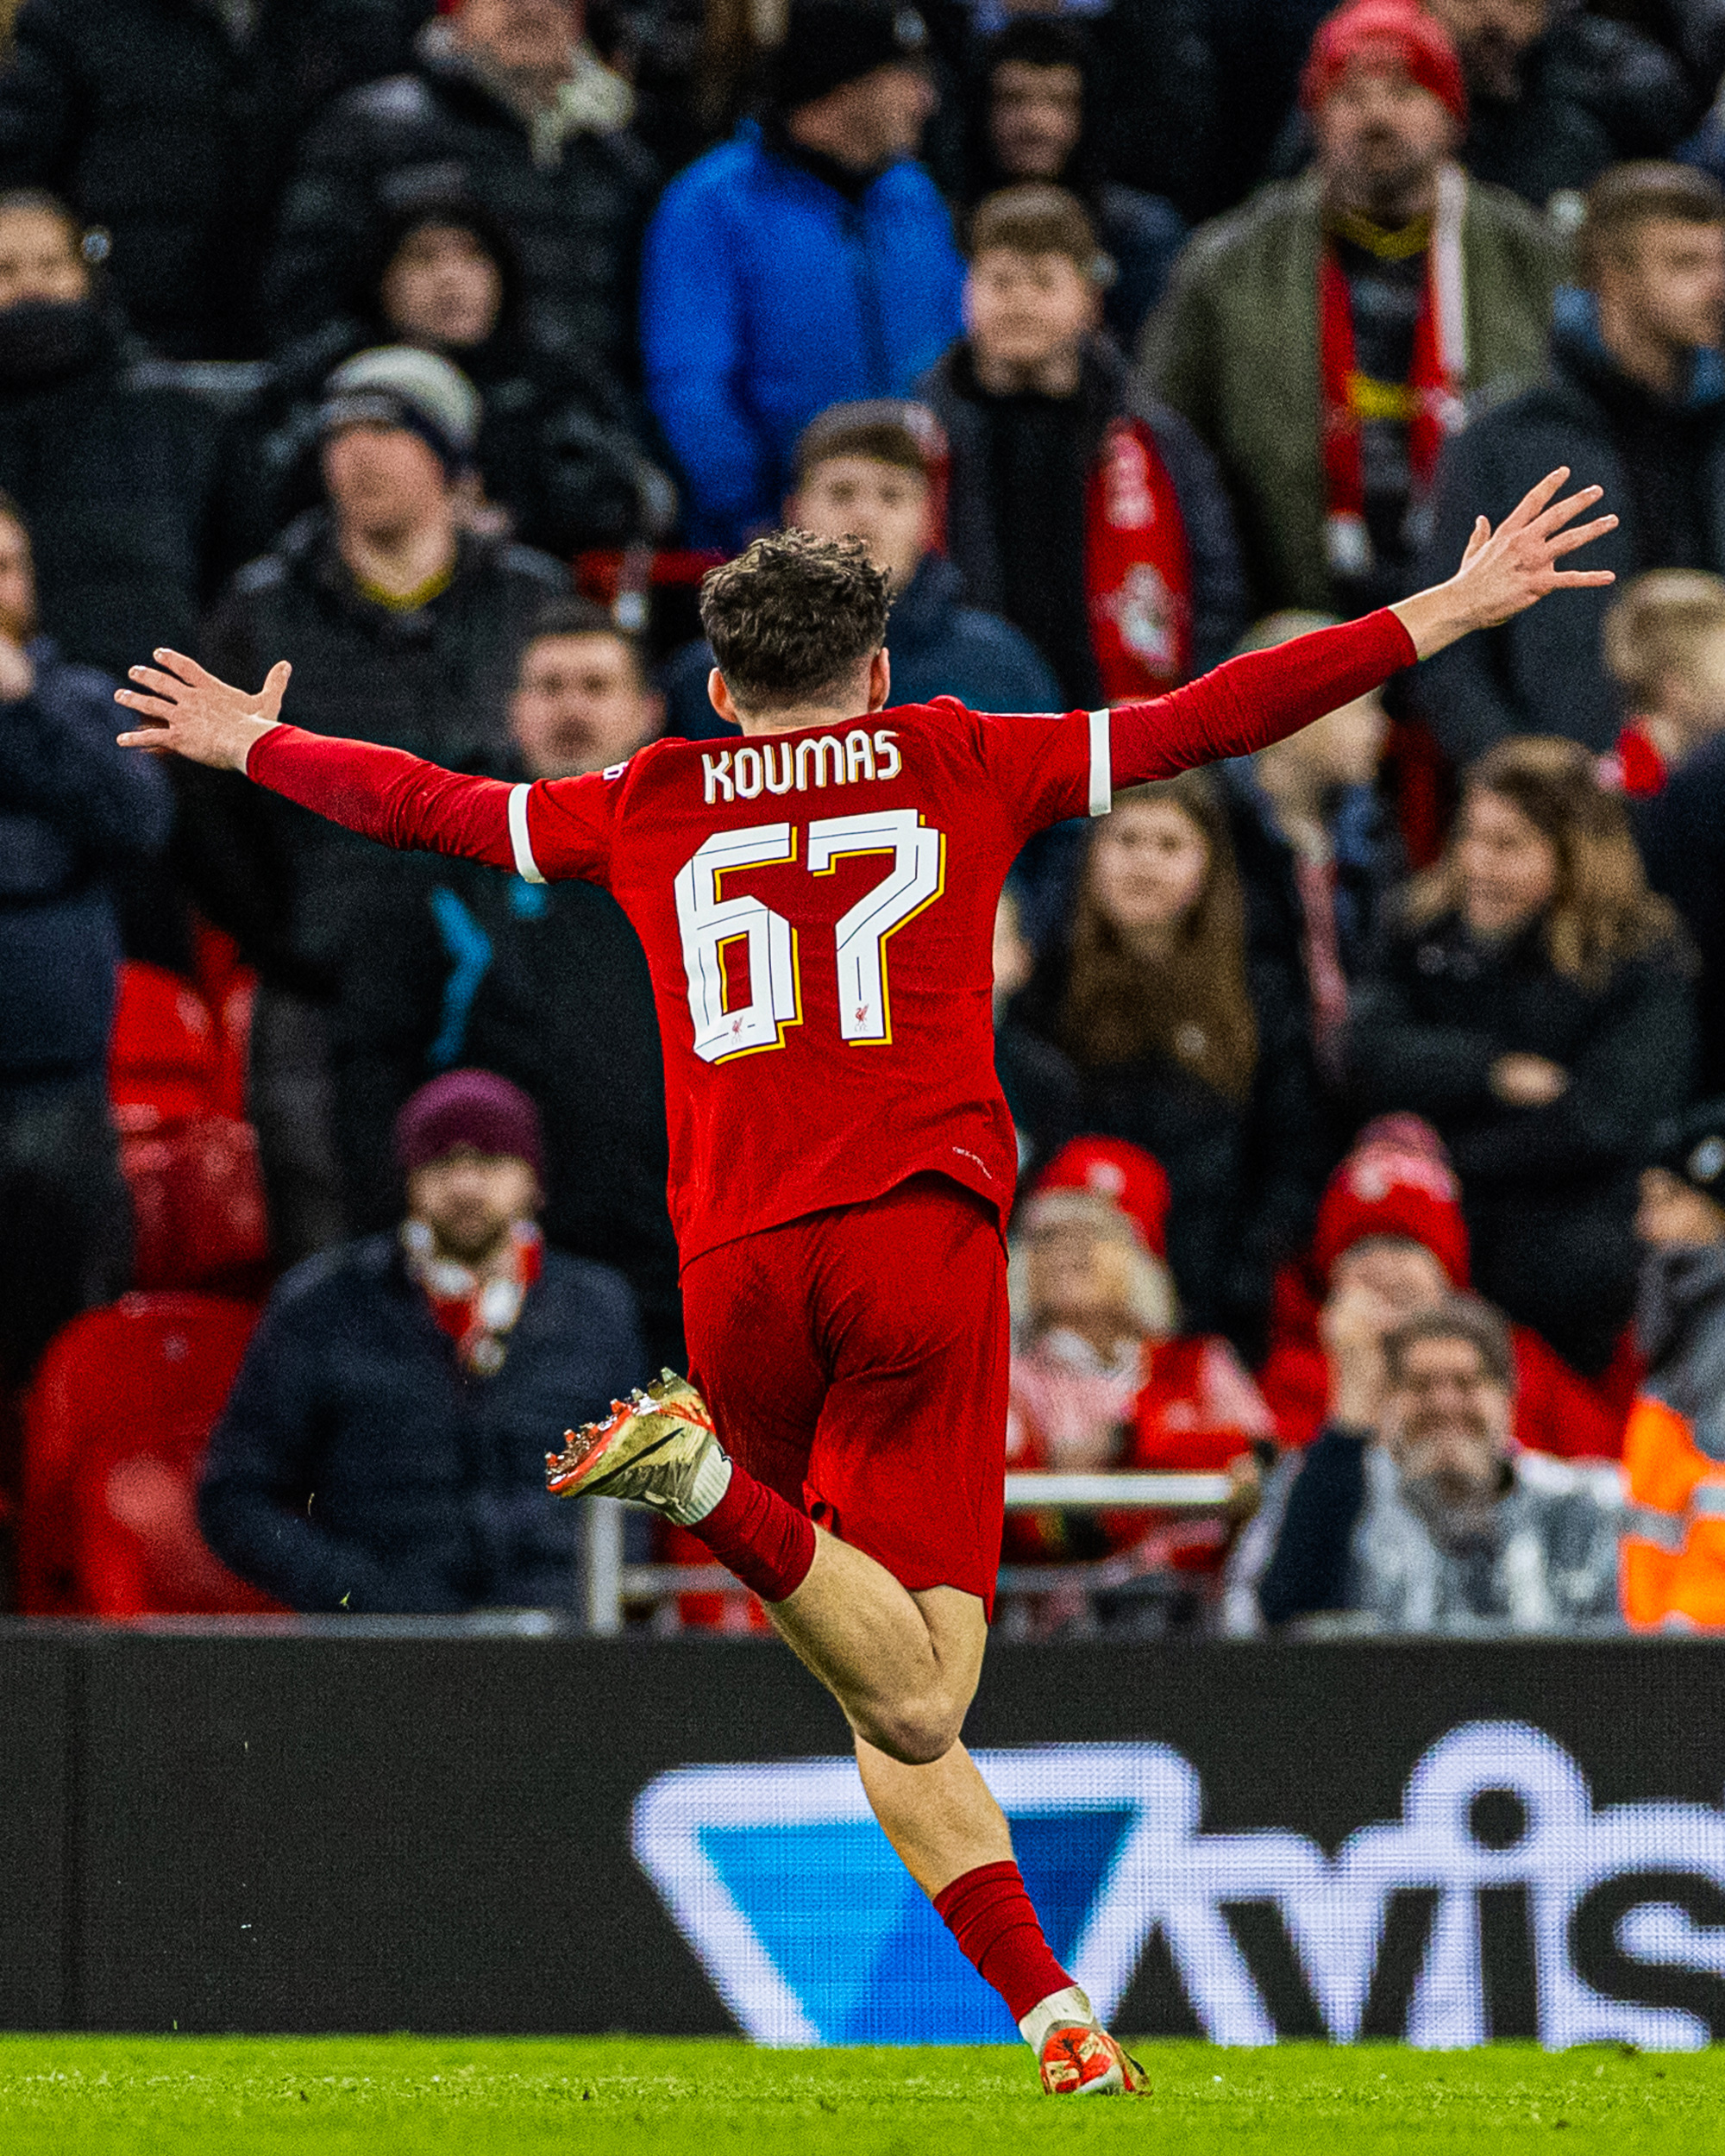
[1370,1091]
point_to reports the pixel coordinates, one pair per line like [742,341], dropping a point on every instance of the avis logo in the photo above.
[1500,1902]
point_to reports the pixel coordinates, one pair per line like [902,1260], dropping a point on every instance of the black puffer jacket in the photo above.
[435,683]
[358,1467]
[117,470]
[170,123]
[1549,1192]
[577,217]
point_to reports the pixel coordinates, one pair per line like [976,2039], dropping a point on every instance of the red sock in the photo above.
[989,1913]
[754,1533]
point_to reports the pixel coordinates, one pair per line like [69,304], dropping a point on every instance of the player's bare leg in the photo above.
[903,1666]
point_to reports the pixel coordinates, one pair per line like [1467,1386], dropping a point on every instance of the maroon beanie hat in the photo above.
[468,1108]
[1385,29]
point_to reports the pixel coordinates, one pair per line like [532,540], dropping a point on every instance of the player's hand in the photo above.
[1505,571]
[189,712]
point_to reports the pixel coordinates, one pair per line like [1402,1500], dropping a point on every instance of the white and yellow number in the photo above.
[915,881]
[712,924]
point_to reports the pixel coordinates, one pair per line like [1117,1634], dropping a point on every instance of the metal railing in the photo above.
[610,1585]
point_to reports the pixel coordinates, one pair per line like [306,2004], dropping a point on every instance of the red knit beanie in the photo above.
[1380,30]
[1111,1173]
[1397,1182]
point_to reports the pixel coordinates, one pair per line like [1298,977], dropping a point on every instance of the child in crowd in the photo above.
[1188,1045]
[1088,515]
[1102,1377]
[1665,647]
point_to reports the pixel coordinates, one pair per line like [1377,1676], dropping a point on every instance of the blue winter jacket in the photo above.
[767,296]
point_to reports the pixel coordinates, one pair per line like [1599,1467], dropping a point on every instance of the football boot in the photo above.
[1079,2060]
[649,1449]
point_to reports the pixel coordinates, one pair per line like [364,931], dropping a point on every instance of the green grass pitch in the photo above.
[80,2096]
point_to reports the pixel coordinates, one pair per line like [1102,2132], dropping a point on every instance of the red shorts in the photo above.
[856,1361]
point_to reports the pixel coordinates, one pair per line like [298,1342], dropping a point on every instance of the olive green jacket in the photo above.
[1234,348]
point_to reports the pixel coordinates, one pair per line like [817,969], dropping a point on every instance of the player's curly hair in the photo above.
[792,618]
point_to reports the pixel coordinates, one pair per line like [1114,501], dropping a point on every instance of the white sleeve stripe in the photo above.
[1101,764]
[525,866]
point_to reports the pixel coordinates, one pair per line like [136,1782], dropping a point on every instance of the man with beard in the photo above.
[1414,1511]
[1323,338]
[382,1450]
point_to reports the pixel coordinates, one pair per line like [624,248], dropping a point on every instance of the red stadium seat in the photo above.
[121,1409]
[164,1062]
[197,1204]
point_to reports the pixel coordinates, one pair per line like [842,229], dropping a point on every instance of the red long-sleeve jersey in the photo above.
[817,907]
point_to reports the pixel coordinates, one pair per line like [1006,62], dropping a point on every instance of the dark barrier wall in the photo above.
[283,1833]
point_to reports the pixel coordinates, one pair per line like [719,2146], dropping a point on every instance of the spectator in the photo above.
[1316,852]
[169,126]
[1040,1083]
[115,467]
[383,1447]
[1102,1377]
[1555,94]
[807,261]
[1664,641]
[1322,339]
[1415,1512]
[507,101]
[1674,1567]
[1031,120]
[556,456]
[1635,402]
[1682,829]
[1533,1003]
[403,628]
[1085,513]
[1390,1225]
[74,810]
[1186,1047]
[459,963]
[867,471]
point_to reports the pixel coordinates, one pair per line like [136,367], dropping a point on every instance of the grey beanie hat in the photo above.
[400,385]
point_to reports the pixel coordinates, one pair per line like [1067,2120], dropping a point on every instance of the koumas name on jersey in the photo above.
[817,907]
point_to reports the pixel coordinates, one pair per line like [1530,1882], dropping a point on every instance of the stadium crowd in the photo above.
[1371,1092]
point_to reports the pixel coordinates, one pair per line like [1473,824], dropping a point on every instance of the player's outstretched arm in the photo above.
[1504,572]
[1264,696]
[382,793]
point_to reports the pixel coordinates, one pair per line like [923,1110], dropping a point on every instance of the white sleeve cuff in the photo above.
[1101,764]
[525,866]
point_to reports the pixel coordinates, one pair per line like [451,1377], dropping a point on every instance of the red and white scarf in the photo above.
[1138,570]
[478,1310]
[1431,403]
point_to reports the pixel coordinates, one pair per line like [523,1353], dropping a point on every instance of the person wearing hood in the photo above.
[116,467]
[404,626]
[1031,116]
[1674,1563]
[506,100]
[1635,396]
[558,462]
[808,261]
[1082,511]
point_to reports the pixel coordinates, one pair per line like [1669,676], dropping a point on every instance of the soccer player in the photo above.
[817,905]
